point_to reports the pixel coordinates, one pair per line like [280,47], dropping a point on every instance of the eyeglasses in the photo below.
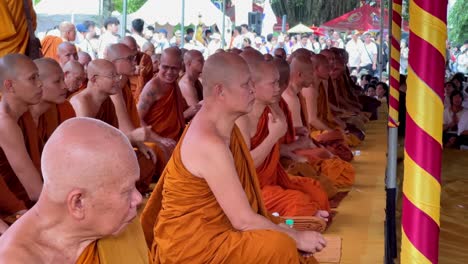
[115,77]
[130,58]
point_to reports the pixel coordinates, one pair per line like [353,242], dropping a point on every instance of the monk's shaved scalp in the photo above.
[251,56]
[216,68]
[146,46]
[73,66]
[319,59]
[301,63]
[98,67]
[47,66]
[66,26]
[130,42]
[73,161]
[283,69]
[192,54]
[172,52]
[116,51]
[11,66]
[84,56]
[236,51]
[65,47]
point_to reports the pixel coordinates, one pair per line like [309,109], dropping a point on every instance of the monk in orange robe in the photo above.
[190,85]
[161,104]
[19,144]
[88,204]
[220,204]
[74,76]
[262,129]
[144,69]
[95,102]
[51,43]
[14,36]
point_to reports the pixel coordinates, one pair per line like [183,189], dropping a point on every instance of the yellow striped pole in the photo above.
[423,143]
[395,64]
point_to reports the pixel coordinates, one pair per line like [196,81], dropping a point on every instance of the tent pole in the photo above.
[182,27]
[223,37]
[380,57]
[124,19]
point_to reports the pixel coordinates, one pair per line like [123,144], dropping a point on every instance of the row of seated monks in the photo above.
[229,142]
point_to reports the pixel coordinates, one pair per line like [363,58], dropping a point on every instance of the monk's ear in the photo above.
[218,90]
[76,204]
[8,85]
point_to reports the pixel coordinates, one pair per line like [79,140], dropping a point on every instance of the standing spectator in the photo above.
[110,35]
[86,31]
[337,41]
[137,32]
[404,51]
[354,47]
[314,44]
[214,45]
[163,42]
[462,59]
[368,58]
[246,33]
[236,38]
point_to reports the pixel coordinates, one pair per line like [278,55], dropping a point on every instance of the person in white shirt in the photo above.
[247,34]
[448,89]
[302,44]
[86,31]
[259,45]
[368,58]
[110,36]
[404,51]
[453,124]
[354,47]
[214,45]
[337,41]
[163,42]
[137,32]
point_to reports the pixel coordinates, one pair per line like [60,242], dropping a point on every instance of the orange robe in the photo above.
[183,216]
[126,247]
[339,172]
[282,193]
[108,115]
[14,34]
[137,82]
[50,45]
[51,119]
[166,116]
[9,203]
[30,136]
[130,103]
[332,140]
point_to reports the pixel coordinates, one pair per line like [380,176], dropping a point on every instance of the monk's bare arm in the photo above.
[79,105]
[188,92]
[311,95]
[148,97]
[12,143]
[223,181]
[125,123]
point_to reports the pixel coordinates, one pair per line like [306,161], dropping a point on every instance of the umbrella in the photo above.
[300,28]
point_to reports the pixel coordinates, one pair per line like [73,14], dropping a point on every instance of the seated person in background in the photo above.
[370,91]
[448,89]
[80,204]
[382,92]
[215,214]
[452,117]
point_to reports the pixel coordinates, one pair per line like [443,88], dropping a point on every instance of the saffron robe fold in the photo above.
[340,173]
[31,141]
[50,45]
[14,35]
[127,247]
[166,116]
[9,203]
[282,193]
[187,225]
[137,82]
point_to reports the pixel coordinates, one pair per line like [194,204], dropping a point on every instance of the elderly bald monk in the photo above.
[148,48]
[190,85]
[80,205]
[340,173]
[14,36]
[53,109]
[262,129]
[51,43]
[95,102]
[84,59]
[144,69]
[66,52]
[220,204]
[19,155]
[74,76]
[325,129]
[161,104]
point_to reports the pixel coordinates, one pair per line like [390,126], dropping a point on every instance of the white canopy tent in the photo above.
[71,7]
[269,19]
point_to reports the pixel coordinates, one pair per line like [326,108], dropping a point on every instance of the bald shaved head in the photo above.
[192,54]
[236,51]
[170,65]
[19,78]
[54,89]
[84,59]
[194,61]
[130,42]
[284,71]
[265,77]
[322,67]
[74,75]
[280,53]
[123,57]
[66,52]
[102,75]
[301,71]
[148,48]
[67,31]
[86,178]
[251,56]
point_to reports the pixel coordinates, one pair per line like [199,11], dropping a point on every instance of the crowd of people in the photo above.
[236,140]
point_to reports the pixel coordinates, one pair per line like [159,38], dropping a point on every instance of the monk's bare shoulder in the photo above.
[149,95]
[80,104]
[8,128]
[14,249]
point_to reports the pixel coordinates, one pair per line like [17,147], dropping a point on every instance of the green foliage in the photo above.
[458,22]
[132,5]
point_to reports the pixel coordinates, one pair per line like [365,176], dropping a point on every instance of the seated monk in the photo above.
[10,205]
[340,173]
[262,129]
[84,59]
[280,53]
[189,84]
[66,52]
[53,109]
[161,104]
[87,209]
[148,48]
[50,43]
[155,58]
[20,87]
[218,205]
[95,102]
[125,106]
[323,125]
[74,76]
[143,70]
